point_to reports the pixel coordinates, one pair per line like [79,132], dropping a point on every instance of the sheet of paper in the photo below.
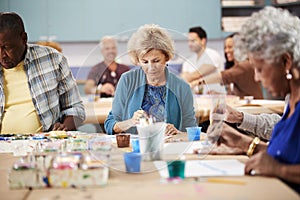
[183,147]
[18,147]
[205,168]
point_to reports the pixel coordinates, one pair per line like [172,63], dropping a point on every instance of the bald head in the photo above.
[108,47]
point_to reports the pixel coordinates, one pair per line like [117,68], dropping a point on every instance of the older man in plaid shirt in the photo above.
[37,90]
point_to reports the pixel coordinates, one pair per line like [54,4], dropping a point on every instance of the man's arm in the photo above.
[69,124]
[72,112]
[190,76]
[90,87]
[212,78]
[202,71]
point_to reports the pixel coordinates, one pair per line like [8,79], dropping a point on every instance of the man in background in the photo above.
[197,40]
[103,77]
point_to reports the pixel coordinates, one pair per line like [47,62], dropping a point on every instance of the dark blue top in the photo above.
[154,102]
[284,145]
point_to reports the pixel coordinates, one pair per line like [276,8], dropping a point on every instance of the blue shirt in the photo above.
[284,145]
[52,86]
[129,95]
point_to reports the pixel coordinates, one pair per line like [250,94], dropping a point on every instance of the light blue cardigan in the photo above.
[130,93]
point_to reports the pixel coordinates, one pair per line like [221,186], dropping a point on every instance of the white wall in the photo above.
[88,53]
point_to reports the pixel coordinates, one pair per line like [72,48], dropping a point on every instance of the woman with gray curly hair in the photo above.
[270,39]
[151,90]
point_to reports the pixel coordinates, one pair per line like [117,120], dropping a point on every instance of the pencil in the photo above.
[226,181]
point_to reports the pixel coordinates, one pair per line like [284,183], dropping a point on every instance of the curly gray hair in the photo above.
[268,34]
[147,38]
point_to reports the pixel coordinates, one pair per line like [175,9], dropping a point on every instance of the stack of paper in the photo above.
[205,168]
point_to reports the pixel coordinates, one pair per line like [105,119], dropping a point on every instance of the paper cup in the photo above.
[123,140]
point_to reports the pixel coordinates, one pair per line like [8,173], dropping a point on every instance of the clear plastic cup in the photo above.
[194,133]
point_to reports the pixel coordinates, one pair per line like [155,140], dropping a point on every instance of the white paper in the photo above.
[205,168]
[18,147]
[183,147]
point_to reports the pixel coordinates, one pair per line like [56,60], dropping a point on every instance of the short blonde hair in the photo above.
[149,37]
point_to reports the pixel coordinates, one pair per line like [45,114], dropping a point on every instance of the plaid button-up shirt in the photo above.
[52,86]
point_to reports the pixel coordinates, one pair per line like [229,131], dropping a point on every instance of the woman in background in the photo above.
[239,78]
[228,52]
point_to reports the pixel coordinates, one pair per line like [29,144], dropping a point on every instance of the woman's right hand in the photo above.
[131,122]
[234,139]
[137,115]
[225,150]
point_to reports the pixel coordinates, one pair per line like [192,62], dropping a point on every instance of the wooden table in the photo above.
[149,185]
[96,112]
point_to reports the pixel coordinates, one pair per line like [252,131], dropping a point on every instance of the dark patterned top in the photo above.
[154,102]
[101,74]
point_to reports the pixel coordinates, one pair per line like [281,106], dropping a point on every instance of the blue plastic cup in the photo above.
[133,162]
[194,133]
[135,144]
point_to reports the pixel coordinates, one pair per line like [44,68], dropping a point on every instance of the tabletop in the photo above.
[150,185]
[96,112]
